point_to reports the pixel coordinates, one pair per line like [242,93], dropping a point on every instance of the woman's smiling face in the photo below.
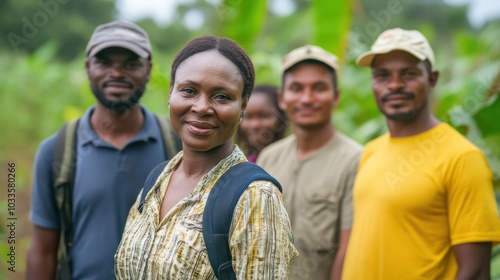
[206,101]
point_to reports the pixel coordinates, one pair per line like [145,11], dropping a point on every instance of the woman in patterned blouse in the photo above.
[211,80]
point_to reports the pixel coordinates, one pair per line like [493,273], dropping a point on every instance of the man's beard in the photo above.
[403,116]
[121,105]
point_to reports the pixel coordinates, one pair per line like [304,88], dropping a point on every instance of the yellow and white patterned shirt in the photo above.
[261,240]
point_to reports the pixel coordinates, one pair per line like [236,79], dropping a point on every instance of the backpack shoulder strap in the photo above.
[171,142]
[65,153]
[218,213]
[150,182]
[63,167]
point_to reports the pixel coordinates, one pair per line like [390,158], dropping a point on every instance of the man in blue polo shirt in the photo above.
[118,143]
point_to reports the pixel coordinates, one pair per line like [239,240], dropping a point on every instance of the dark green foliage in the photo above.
[27,25]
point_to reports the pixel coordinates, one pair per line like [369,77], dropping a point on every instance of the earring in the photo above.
[168,103]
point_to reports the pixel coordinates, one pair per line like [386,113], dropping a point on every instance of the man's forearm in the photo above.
[473,261]
[338,262]
[41,266]
[337,266]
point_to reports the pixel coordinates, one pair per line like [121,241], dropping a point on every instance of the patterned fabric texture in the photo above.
[260,236]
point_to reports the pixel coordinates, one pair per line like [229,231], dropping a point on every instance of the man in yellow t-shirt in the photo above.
[424,205]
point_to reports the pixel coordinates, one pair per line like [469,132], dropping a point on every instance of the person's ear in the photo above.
[433,78]
[87,67]
[170,88]
[244,103]
[336,97]
[281,101]
[150,66]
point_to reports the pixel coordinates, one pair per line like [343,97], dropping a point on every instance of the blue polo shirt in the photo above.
[107,183]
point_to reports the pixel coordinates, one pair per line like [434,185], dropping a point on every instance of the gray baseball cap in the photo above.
[121,34]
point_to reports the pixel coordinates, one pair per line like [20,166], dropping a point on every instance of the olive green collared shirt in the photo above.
[317,193]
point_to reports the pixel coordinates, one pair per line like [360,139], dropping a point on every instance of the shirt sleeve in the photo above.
[44,212]
[346,204]
[261,237]
[472,207]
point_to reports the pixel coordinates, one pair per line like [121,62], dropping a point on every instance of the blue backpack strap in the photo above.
[218,213]
[150,182]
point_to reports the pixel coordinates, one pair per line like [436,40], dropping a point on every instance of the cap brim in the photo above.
[366,59]
[120,44]
[289,65]
[292,63]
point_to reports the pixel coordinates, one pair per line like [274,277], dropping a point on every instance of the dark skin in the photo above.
[473,260]
[260,120]
[42,254]
[338,264]
[116,73]
[206,102]
[402,85]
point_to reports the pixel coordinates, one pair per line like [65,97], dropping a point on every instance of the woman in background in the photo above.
[263,123]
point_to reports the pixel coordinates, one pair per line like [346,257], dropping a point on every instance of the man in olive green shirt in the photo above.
[316,165]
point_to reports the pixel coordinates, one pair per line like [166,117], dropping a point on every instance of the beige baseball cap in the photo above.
[309,52]
[121,34]
[411,41]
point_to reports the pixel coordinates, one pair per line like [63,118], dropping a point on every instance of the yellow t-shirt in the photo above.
[414,198]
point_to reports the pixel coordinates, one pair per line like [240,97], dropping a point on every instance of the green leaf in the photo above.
[332,22]
[488,117]
[495,262]
[467,44]
[465,123]
[242,20]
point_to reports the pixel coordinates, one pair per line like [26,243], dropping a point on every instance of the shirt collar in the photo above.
[149,130]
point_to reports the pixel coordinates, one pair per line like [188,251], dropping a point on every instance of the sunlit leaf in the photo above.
[488,118]
[466,124]
[242,20]
[332,22]
[71,113]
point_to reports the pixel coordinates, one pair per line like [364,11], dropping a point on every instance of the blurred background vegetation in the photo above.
[44,83]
